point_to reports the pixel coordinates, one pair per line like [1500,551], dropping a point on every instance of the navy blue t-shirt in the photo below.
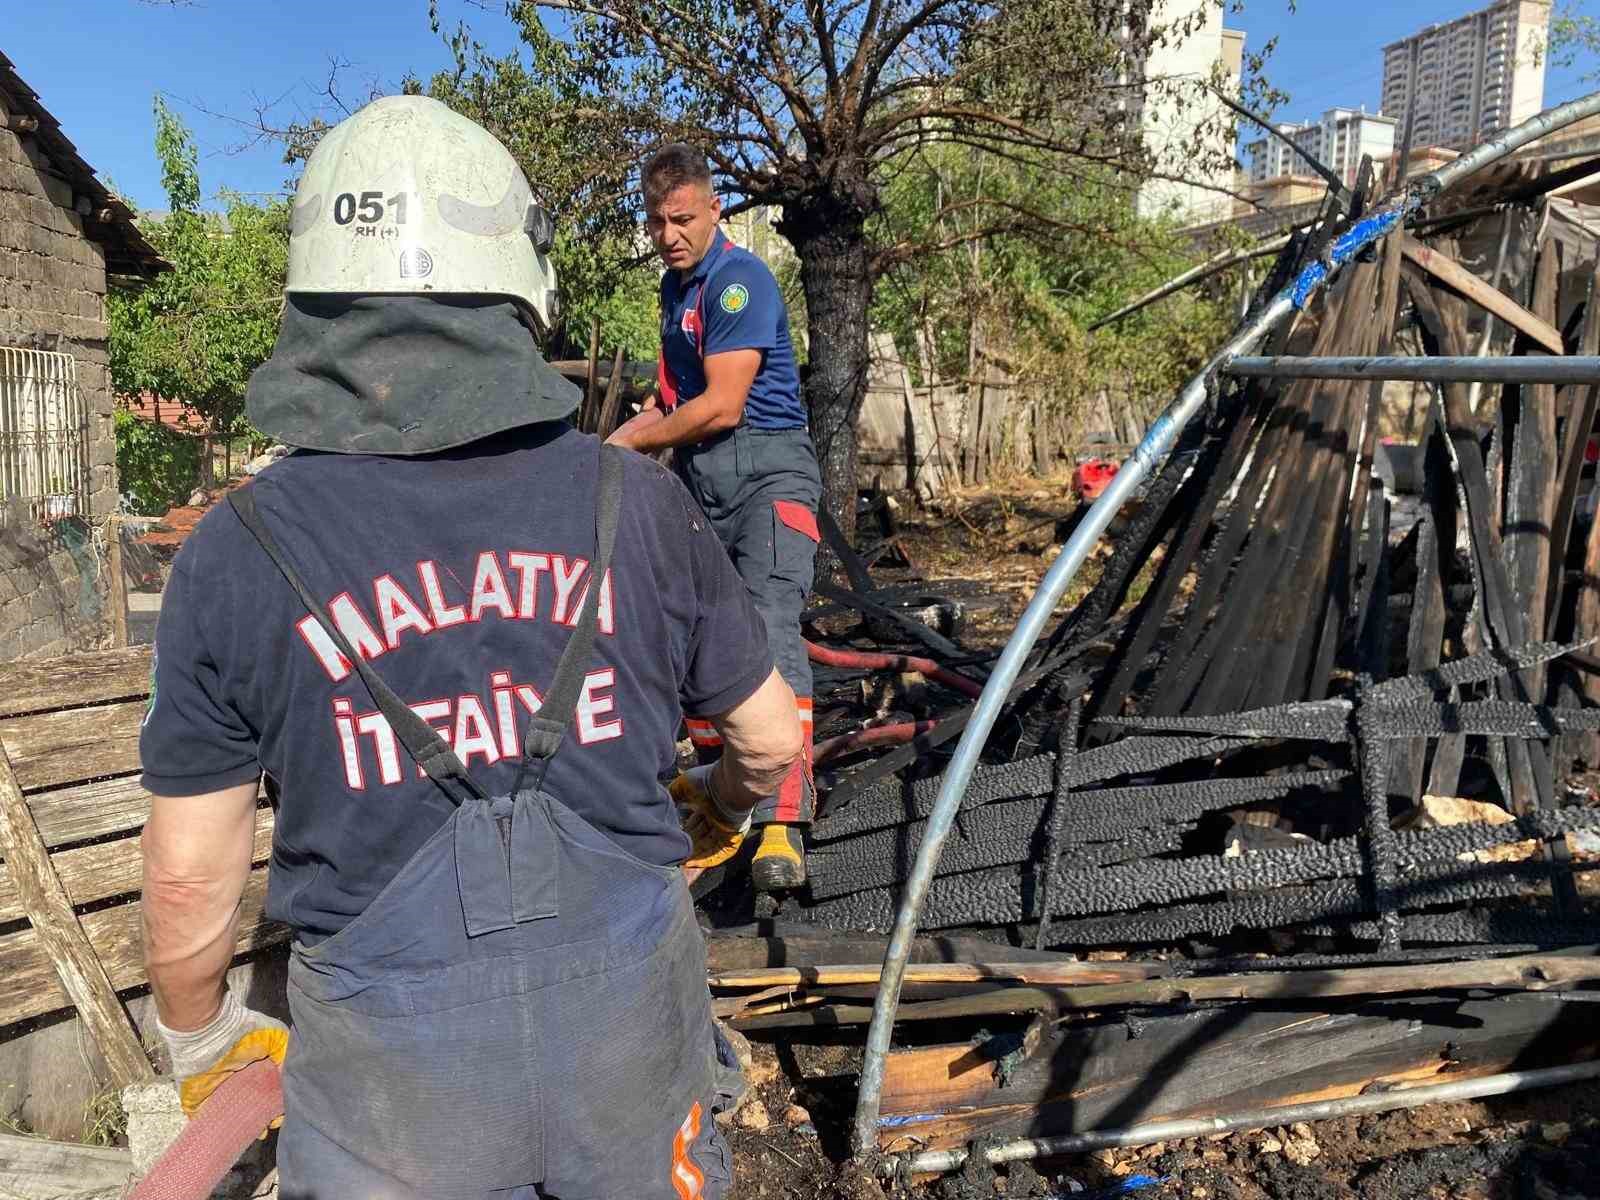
[458,575]
[731,302]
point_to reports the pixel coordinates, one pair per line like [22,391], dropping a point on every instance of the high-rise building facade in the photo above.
[1339,140]
[1462,81]
[1178,109]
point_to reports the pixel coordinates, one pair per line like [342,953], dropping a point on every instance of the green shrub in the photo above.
[158,467]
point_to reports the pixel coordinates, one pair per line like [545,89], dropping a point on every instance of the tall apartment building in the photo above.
[1170,122]
[1340,139]
[1462,81]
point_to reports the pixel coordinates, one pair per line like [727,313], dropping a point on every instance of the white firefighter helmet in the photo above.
[407,197]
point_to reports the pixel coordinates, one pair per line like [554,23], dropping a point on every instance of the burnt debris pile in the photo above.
[1345,706]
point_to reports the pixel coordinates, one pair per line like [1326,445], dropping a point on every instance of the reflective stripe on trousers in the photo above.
[757,487]
[565,1049]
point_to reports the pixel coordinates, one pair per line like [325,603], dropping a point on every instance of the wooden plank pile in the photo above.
[1293,680]
[71,809]
[1308,791]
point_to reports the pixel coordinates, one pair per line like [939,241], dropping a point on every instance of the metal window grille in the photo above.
[44,426]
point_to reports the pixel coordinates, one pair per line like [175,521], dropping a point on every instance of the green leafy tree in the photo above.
[196,332]
[1574,40]
[157,465]
[1025,298]
[815,107]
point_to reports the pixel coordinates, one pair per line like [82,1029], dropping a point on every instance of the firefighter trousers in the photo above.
[760,490]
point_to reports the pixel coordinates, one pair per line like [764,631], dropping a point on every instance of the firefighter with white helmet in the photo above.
[456,638]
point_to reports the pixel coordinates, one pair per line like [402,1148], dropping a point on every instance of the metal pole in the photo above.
[1158,441]
[1510,141]
[1260,1118]
[1532,369]
[1211,266]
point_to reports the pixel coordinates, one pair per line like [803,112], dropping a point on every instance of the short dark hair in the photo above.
[672,166]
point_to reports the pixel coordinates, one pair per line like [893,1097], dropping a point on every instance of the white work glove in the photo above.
[236,1037]
[715,830]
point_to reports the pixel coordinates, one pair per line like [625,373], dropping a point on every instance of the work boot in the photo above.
[780,861]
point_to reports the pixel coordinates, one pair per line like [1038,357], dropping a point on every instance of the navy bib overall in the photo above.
[522,1011]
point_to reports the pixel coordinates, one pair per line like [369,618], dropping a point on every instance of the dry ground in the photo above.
[789,1140]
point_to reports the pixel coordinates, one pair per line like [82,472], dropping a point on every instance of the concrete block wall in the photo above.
[52,298]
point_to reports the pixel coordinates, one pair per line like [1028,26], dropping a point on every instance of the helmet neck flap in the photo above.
[402,374]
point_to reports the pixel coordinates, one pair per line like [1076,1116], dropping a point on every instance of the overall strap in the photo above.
[420,739]
[548,726]
[700,318]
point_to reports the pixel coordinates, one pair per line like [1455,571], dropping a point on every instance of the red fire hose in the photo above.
[873,661]
[877,735]
[223,1129]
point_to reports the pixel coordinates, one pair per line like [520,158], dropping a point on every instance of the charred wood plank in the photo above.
[1453,275]
[1218,470]
[1097,1075]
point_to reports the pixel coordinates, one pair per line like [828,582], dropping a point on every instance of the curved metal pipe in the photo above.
[1260,1118]
[1158,441]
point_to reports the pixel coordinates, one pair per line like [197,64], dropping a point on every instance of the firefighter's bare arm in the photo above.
[197,853]
[717,409]
[761,740]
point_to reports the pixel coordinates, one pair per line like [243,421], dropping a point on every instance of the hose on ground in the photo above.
[877,661]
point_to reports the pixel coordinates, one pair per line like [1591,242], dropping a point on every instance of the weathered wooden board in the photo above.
[28,983]
[1089,1077]
[1453,274]
[109,869]
[1019,972]
[74,680]
[33,1167]
[1531,973]
[53,748]
[41,897]
[82,811]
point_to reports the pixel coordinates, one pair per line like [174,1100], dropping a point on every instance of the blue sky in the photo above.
[97,64]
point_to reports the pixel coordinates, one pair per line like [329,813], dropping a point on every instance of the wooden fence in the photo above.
[957,433]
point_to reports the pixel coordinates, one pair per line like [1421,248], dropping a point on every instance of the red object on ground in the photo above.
[877,735]
[1092,477]
[872,661]
[223,1129]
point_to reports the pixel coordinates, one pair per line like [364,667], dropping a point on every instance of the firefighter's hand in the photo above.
[237,1036]
[714,831]
[648,416]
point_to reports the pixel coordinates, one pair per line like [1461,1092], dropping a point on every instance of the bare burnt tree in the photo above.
[809,106]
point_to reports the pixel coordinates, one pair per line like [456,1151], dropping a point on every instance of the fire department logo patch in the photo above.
[734,298]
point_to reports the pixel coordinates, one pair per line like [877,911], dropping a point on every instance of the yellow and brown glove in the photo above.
[236,1037]
[715,832]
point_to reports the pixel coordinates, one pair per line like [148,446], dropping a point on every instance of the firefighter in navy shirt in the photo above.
[496,982]
[730,408]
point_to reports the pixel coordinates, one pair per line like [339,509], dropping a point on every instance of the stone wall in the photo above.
[52,298]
